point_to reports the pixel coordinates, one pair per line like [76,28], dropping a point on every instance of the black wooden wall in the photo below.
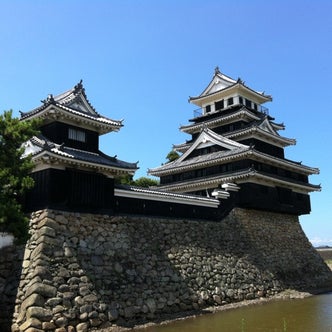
[71,189]
[57,132]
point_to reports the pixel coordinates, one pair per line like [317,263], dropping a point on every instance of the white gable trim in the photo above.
[266,126]
[208,136]
[218,83]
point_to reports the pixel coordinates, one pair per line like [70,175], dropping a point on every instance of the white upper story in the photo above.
[224,92]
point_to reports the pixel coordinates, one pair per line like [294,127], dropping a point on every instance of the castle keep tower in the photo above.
[70,170]
[236,153]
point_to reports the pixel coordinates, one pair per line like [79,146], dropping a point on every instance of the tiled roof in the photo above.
[208,181]
[200,160]
[228,83]
[37,145]
[65,101]
[239,177]
[224,156]
[95,117]
[163,193]
[221,119]
[254,128]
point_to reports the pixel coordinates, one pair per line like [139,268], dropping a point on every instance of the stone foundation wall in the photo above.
[11,258]
[82,271]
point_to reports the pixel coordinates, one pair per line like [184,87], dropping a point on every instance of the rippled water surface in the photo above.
[312,314]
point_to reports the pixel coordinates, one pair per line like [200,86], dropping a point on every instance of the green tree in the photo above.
[172,155]
[145,182]
[124,179]
[140,182]
[14,173]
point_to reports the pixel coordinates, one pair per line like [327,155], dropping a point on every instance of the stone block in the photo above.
[46,230]
[40,249]
[50,241]
[54,301]
[60,329]
[151,304]
[58,309]
[217,299]
[45,290]
[83,317]
[48,326]
[42,271]
[39,313]
[31,323]
[90,298]
[82,327]
[69,252]
[61,219]
[49,223]
[33,300]
[94,322]
[113,314]
[61,321]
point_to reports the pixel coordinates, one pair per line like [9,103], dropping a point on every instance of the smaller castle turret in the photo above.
[70,171]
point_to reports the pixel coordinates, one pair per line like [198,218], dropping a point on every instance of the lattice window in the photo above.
[76,135]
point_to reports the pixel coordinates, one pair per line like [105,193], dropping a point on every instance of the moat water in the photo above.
[312,314]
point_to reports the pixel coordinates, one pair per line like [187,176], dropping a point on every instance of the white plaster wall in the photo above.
[6,239]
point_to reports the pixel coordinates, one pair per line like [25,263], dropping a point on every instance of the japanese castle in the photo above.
[69,167]
[71,173]
[236,153]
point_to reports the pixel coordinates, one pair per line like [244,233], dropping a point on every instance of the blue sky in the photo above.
[141,60]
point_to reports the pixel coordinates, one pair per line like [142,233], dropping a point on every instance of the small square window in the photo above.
[219,105]
[76,135]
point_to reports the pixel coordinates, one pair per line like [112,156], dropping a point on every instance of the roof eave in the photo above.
[236,87]
[242,113]
[55,112]
[248,175]
[49,157]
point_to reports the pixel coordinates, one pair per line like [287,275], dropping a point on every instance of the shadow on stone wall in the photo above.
[276,243]
[11,258]
[82,271]
[134,266]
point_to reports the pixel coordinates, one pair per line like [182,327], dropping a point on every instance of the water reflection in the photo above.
[313,314]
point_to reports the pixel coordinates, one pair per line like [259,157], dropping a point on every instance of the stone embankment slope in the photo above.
[326,254]
[82,271]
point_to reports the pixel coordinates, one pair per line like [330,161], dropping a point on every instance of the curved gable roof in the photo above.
[43,151]
[73,105]
[209,136]
[222,83]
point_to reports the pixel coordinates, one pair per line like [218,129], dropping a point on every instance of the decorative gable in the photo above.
[209,138]
[222,86]
[82,107]
[73,107]
[266,126]
[218,82]
[76,99]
